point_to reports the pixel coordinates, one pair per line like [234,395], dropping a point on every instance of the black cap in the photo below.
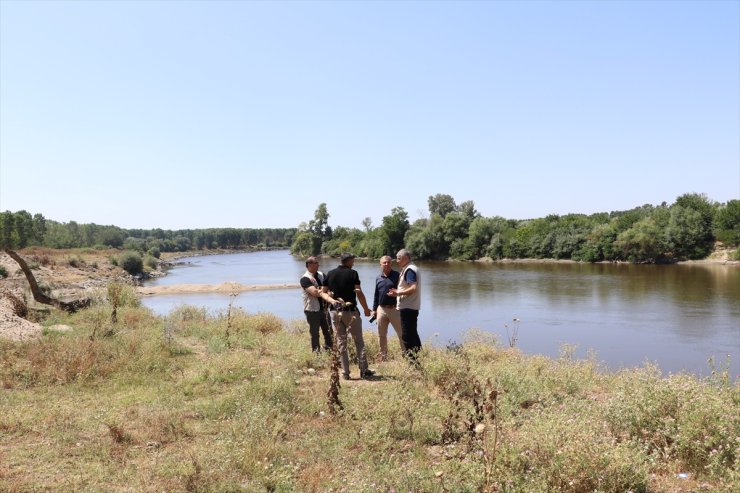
[347,256]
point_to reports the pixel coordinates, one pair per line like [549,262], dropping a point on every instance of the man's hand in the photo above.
[367,312]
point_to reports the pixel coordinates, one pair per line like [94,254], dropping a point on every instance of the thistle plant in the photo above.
[232,297]
[514,335]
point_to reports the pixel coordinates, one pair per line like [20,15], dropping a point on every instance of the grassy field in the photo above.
[237,402]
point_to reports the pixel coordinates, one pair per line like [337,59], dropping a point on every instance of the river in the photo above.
[676,316]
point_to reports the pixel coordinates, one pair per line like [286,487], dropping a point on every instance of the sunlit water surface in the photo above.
[677,316]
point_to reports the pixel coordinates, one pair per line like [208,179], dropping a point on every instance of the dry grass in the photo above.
[174,404]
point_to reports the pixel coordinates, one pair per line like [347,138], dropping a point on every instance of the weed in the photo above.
[333,401]
[513,337]
[117,434]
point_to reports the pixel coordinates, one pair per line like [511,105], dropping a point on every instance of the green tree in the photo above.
[481,232]
[394,230]
[315,233]
[467,209]
[599,244]
[7,230]
[726,224]
[455,231]
[39,229]
[642,242]
[24,228]
[441,204]
[701,204]
[319,224]
[685,234]
[303,244]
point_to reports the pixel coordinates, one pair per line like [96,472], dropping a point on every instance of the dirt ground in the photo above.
[67,274]
[76,274]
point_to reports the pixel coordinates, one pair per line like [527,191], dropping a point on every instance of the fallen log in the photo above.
[38,295]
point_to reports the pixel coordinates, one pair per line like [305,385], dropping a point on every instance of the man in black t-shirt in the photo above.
[343,283]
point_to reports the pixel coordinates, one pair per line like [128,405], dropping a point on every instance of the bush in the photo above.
[154,252]
[151,262]
[3,272]
[75,261]
[131,262]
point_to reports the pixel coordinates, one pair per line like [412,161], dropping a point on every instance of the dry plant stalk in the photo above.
[333,394]
[117,434]
[233,296]
[114,298]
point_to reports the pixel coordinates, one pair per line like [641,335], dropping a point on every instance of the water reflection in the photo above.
[676,315]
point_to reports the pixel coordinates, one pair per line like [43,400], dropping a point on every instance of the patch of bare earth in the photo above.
[68,274]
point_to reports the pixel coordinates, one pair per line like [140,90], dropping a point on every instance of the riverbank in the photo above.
[84,273]
[237,402]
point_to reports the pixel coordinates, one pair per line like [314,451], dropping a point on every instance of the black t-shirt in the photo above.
[306,282]
[342,281]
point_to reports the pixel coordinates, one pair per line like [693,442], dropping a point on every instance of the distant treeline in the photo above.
[21,229]
[686,229]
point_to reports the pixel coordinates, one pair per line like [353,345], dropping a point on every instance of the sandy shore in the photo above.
[227,287]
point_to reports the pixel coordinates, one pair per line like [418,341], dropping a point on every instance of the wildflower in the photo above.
[480,428]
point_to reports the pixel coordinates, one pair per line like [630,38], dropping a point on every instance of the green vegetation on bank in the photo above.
[688,229]
[129,401]
[21,229]
[685,230]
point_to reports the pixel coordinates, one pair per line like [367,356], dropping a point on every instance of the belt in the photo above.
[343,309]
[388,306]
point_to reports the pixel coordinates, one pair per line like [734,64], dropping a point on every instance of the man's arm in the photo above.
[326,296]
[362,300]
[376,298]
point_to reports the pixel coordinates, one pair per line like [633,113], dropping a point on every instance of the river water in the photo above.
[676,316]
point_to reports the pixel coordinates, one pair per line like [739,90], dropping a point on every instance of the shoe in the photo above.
[367,374]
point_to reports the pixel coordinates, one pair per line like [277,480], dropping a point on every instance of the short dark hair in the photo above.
[311,260]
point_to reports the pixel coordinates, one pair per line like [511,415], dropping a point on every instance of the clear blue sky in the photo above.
[188,114]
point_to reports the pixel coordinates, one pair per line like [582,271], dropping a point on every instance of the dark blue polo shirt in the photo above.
[382,285]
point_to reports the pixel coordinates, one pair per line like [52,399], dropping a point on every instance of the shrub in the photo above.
[154,252]
[151,262]
[3,272]
[131,262]
[75,261]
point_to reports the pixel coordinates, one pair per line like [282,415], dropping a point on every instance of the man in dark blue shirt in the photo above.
[384,306]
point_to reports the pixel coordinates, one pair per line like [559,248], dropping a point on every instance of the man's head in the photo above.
[385,263]
[348,259]
[403,257]
[312,264]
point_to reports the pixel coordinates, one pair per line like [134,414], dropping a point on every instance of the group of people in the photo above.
[335,296]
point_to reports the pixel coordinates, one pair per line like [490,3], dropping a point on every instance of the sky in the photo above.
[194,114]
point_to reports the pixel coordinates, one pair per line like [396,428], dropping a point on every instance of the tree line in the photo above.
[685,230]
[21,229]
